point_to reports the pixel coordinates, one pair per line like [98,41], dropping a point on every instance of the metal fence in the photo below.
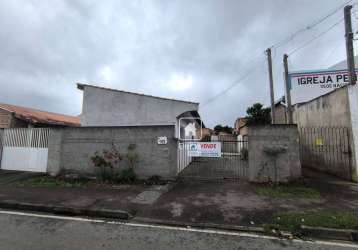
[233,163]
[327,149]
[26,137]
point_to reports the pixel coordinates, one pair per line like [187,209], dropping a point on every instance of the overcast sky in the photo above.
[190,50]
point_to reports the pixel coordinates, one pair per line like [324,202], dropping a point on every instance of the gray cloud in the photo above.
[150,46]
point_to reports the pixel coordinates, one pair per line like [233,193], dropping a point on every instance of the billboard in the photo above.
[307,85]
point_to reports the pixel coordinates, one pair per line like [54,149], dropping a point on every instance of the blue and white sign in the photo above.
[307,85]
[204,149]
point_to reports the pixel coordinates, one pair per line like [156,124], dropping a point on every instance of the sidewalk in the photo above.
[232,203]
[227,203]
[63,199]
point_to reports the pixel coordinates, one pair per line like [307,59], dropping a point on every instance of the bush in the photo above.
[155,180]
[127,176]
[106,161]
[132,155]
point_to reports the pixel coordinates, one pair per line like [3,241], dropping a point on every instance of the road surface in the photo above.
[39,231]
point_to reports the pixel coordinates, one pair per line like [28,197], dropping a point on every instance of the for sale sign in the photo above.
[307,85]
[204,149]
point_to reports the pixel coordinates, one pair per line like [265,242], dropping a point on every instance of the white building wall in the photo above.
[353,105]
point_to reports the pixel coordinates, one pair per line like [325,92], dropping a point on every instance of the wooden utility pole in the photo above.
[349,44]
[269,62]
[288,90]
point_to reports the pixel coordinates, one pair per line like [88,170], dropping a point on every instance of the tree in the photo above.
[219,128]
[257,115]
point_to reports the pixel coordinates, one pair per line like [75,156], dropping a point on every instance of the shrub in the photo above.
[155,180]
[127,176]
[106,161]
[132,155]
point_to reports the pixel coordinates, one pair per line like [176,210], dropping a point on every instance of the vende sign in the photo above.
[308,85]
[204,149]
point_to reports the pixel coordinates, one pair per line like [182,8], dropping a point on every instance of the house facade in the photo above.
[240,127]
[111,107]
[281,111]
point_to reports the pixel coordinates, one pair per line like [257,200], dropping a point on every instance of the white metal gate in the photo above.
[25,149]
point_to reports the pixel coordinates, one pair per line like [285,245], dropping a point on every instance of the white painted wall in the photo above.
[353,105]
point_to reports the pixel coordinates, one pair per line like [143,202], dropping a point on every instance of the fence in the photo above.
[232,164]
[327,149]
[183,157]
[26,137]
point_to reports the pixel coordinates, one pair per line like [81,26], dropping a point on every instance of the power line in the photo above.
[243,77]
[315,37]
[280,44]
[309,27]
[333,50]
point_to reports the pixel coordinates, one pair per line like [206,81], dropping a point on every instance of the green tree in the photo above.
[258,115]
[220,128]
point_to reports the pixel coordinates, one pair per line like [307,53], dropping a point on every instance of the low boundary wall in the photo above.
[274,154]
[71,149]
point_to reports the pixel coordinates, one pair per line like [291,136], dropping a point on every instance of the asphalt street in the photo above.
[40,231]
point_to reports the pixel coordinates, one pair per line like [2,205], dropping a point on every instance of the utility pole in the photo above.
[349,44]
[288,91]
[269,62]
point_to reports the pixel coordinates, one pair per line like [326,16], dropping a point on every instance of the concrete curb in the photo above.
[250,229]
[90,212]
[329,233]
[306,232]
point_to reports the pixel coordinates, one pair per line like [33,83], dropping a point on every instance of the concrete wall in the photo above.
[353,108]
[70,149]
[337,109]
[102,107]
[330,110]
[264,164]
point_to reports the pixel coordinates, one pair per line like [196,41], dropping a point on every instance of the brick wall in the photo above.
[5,118]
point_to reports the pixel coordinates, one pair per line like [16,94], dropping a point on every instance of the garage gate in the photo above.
[25,149]
[231,164]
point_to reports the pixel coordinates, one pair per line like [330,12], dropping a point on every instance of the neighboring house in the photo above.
[240,127]
[112,107]
[12,116]
[281,111]
[206,133]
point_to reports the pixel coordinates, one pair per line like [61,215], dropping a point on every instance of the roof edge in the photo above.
[81,86]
